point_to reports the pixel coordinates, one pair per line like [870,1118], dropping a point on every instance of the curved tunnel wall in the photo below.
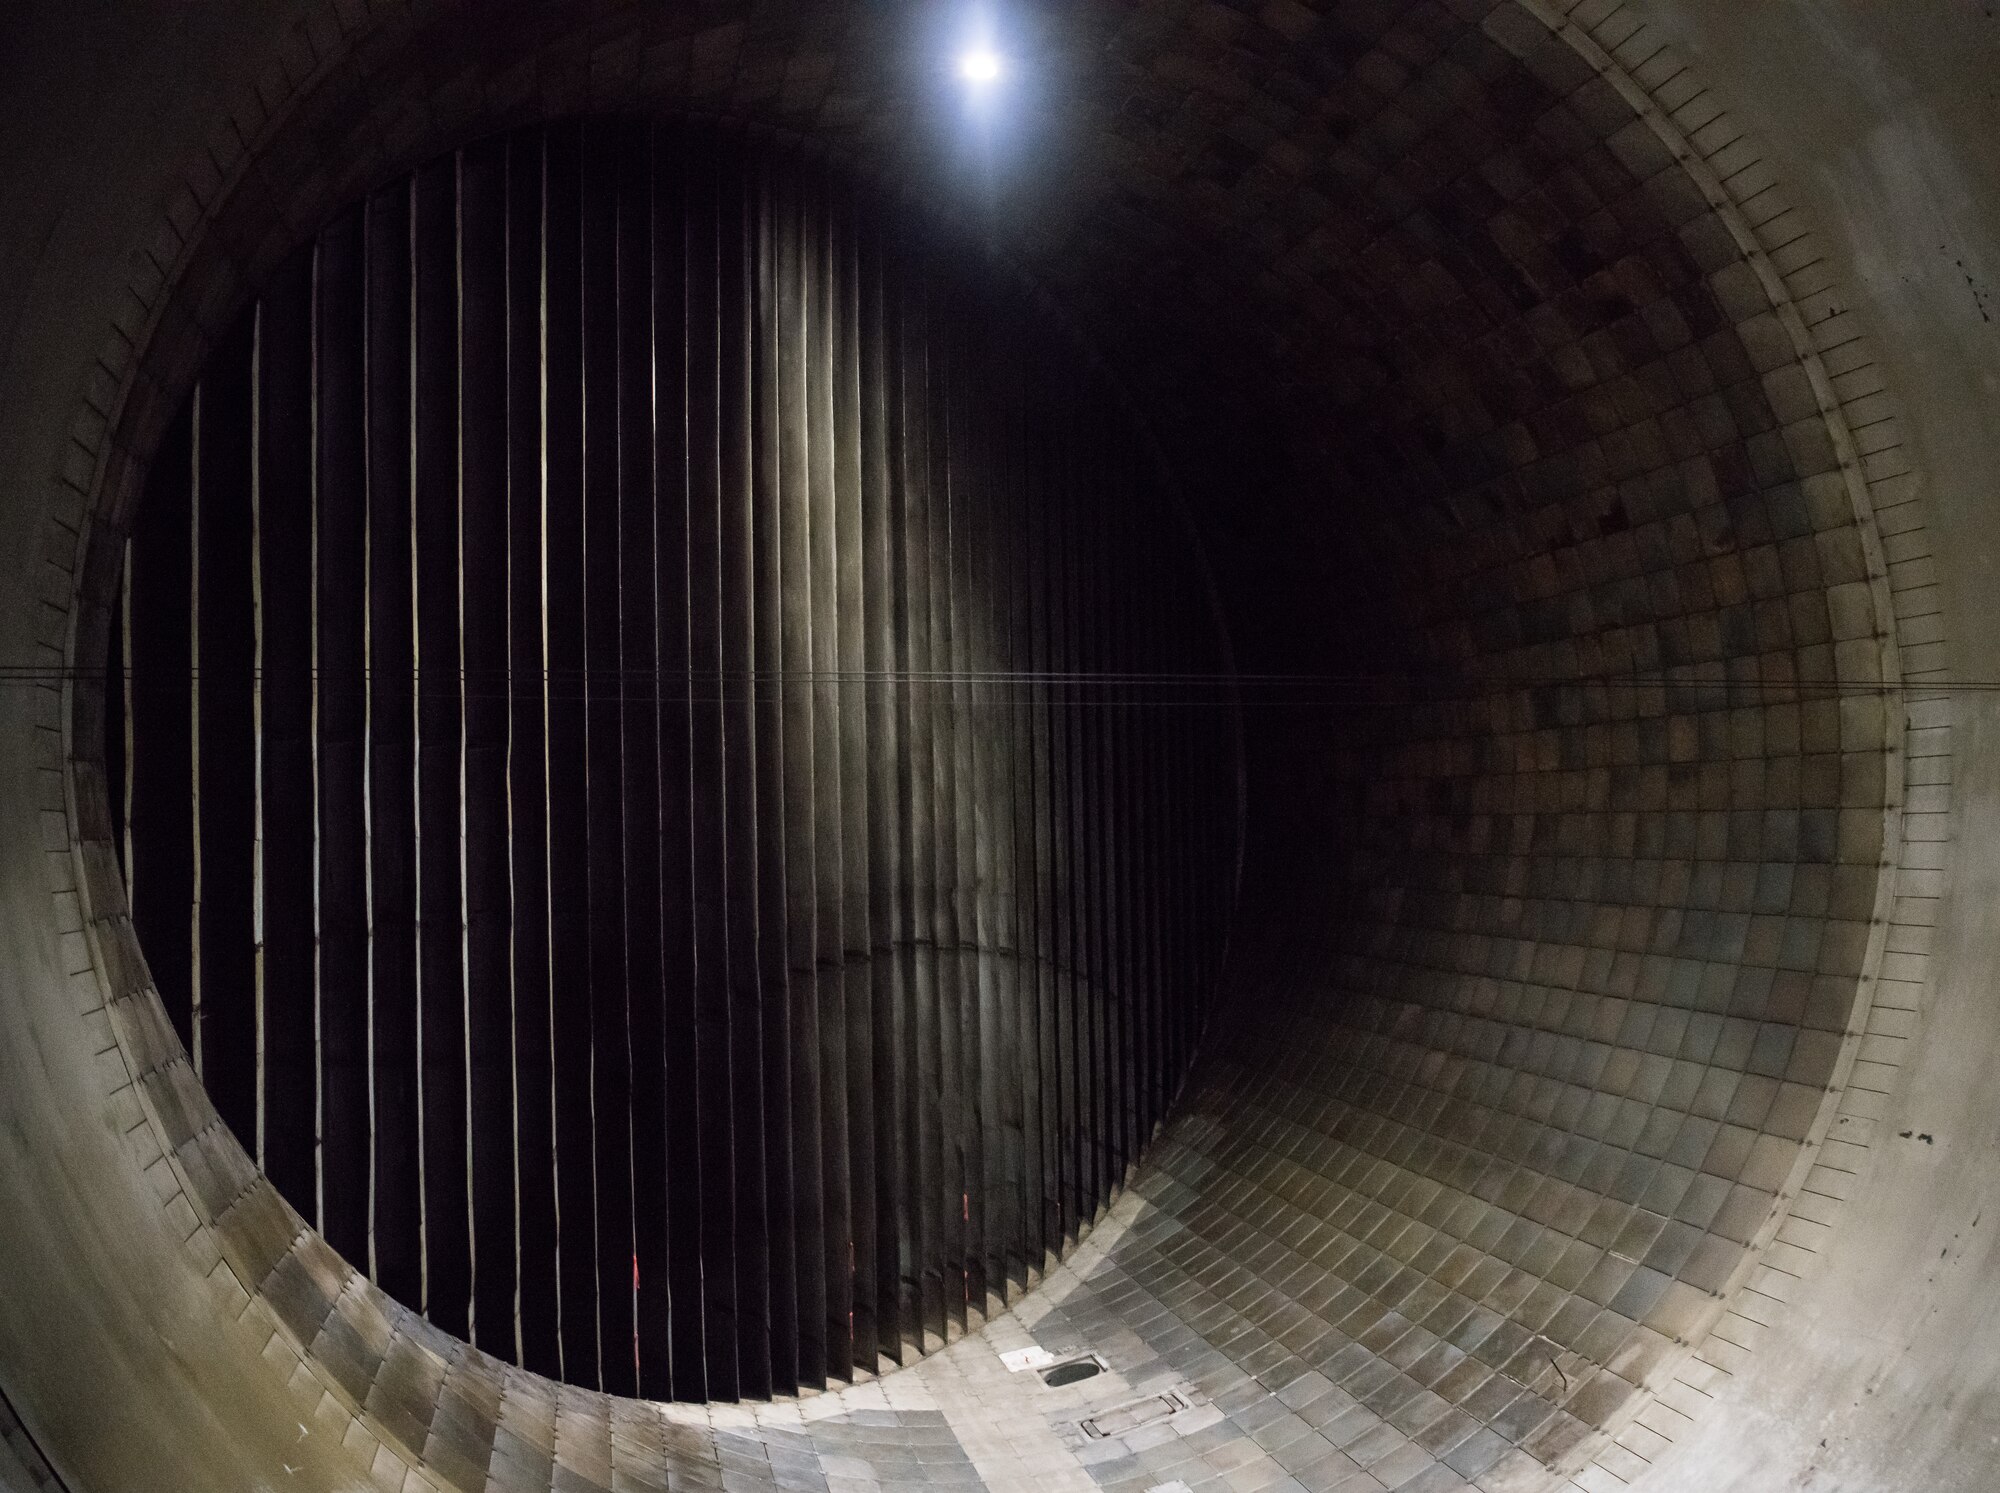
[1527,1070]
[724,889]
[1242,1317]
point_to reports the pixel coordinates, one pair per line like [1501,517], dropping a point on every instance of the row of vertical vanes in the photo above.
[653,779]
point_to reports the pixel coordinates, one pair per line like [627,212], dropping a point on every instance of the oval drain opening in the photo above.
[1073,1372]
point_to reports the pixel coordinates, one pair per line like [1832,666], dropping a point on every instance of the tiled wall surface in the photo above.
[1553,1032]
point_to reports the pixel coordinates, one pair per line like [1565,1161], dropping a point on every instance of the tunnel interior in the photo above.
[1263,658]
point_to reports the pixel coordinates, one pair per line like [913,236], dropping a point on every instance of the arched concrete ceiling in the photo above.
[1555,1126]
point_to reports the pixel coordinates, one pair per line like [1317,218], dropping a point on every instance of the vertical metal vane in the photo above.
[669,746]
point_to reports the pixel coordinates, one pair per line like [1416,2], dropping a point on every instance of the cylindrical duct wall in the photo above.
[662,792]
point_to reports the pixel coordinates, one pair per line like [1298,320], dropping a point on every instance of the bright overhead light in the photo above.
[980,65]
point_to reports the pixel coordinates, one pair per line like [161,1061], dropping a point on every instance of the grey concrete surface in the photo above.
[1885,121]
[108,96]
[1878,1373]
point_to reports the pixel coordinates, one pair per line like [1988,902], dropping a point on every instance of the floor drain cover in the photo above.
[1123,1418]
[1072,1373]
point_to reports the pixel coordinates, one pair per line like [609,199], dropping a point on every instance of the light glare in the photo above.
[980,65]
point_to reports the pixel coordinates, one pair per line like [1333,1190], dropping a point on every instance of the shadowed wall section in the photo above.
[674,793]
